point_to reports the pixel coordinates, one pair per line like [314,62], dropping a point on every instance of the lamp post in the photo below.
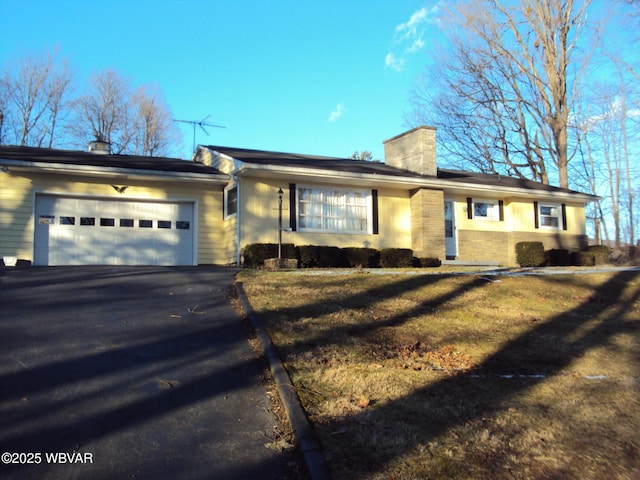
[280,194]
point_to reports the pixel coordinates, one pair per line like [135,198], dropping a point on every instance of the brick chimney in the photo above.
[414,150]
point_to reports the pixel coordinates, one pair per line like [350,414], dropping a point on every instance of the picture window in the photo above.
[334,210]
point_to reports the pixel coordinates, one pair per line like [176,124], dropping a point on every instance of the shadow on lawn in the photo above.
[543,351]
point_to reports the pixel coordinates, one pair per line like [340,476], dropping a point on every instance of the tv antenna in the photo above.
[202,123]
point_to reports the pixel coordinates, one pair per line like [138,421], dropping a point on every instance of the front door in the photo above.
[451,241]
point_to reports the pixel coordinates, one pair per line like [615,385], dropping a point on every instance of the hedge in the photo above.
[593,255]
[359,257]
[396,257]
[427,262]
[256,253]
[316,256]
[557,258]
[530,254]
[321,256]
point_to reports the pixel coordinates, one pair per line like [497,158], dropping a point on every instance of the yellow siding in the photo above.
[492,240]
[17,193]
[16,216]
[519,217]
[259,219]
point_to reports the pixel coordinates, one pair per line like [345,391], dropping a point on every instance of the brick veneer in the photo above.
[474,245]
[427,223]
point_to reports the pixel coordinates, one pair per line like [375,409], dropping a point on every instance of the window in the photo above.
[145,223]
[182,225]
[486,210]
[88,221]
[67,220]
[47,220]
[335,210]
[550,216]
[164,224]
[126,222]
[107,222]
[231,201]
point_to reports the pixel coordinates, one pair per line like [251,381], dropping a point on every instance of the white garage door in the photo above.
[83,231]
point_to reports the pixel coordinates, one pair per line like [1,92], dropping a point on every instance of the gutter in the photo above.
[408,183]
[97,171]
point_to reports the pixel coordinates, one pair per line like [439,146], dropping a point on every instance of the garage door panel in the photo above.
[81,231]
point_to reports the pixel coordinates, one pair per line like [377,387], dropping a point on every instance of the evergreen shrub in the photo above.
[530,254]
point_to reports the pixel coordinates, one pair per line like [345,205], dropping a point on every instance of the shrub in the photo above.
[308,256]
[585,259]
[559,257]
[530,254]
[396,257]
[428,262]
[321,257]
[593,255]
[600,253]
[361,257]
[255,253]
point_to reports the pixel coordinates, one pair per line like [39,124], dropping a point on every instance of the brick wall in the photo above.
[427,223]
[414,150]
[477,245]
[573,243]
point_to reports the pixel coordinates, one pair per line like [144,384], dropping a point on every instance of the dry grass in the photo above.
[450,376]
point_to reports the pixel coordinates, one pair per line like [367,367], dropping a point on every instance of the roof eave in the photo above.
[404,183]
[120,172]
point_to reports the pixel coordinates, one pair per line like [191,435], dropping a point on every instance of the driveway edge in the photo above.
[307,442]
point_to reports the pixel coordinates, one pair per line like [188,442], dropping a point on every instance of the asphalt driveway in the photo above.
[129,372]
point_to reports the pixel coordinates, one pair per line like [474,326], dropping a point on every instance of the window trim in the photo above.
[560,216]
[496,206]
[227,189]
[369,205]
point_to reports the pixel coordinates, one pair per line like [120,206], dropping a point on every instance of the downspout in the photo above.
[238,210]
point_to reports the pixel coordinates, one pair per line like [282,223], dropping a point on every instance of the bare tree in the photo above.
[152,123]
[132,122]
[506,88]
[103,112]
[32,96]
[362,155]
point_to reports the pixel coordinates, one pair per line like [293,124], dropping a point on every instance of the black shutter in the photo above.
[536,215]
[501,210]
[292,207]
[374,207]
[564,216]
[469,208]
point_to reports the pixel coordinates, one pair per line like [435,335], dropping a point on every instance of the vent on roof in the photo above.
[100,147]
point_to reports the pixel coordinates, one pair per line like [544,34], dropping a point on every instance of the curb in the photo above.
[307,443]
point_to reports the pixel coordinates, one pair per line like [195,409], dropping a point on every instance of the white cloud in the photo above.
[410,28]
[392,62]
[417,45]
[410,35]
[337,113]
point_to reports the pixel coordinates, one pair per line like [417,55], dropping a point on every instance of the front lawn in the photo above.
[462,376]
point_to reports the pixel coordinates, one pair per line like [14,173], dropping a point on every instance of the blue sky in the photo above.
[319,77]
